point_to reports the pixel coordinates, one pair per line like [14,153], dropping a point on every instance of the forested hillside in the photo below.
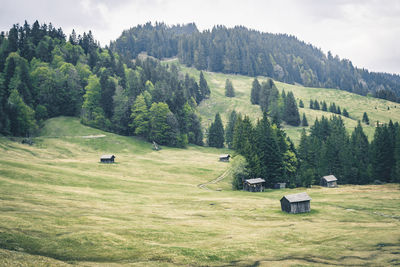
[43,74]
[250,52]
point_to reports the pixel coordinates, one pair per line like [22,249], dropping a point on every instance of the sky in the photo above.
[365,31]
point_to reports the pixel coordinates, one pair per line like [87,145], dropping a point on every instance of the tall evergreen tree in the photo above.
[365,118]
[301,104]
[359,147]
[381,157]
[255,92]
[291,112]
[229,90]
[205,90]
[345,113]
[304,121]
[229,131]
[216,133]
[316,105]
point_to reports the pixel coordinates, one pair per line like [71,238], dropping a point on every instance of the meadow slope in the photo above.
[377,109]
[59,206]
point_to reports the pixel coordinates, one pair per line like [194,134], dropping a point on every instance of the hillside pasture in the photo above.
[60,206]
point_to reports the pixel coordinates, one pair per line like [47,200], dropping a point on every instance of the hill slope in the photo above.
[58,205]
[250,52]
[356,105]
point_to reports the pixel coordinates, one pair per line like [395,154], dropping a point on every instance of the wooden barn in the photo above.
[107,159]
[254,185]
[296,203]
[224,157]
[329,181]
[279,185]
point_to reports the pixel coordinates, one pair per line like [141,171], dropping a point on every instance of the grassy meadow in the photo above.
[59,207]
[356,105]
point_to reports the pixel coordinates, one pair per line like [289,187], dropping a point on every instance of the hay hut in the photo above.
[107,159]
[329,181]
[279,185]
[224,157]
[296,203]
[254,185]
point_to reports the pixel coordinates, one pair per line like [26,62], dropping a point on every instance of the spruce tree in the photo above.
[291,112]
[345,113]
[216,133]
[229,132]
[311,104]
[380,155]
[304,121]
[229,90]
[205,90]
[316,105]
[324,106]
[255,92]
[359,147]
[365,118]
[301,104]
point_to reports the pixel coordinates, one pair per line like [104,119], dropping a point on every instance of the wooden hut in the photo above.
[224,158]
[329,181]
[279,185]
[296,203]
[107,159]
[254,185]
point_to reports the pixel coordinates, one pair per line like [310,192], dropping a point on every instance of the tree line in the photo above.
[43,75]
[249,52]
[333,107]
[266,152]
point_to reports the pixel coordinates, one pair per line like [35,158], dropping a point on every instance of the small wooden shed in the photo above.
[279,185]
[296,203]
[329,181]
[254,185]
[107,159]
[224,157]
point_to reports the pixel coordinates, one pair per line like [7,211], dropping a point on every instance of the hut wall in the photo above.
[332,184]
[224,159]
[299,207]
[285,205]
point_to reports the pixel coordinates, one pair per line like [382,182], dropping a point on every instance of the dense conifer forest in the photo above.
[43,74]
[249,52]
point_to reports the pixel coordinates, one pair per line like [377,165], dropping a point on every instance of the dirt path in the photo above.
[217,180]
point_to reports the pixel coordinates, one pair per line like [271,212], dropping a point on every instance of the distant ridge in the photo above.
[250,52]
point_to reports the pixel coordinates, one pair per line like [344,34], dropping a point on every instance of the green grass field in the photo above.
[356,105]
[60,206]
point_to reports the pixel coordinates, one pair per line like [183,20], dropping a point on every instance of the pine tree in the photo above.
[332,108]
[229,131]
[301,104]
[380,156]
[216,133]
[304,121]
[324,106]
[266,148]
[316,105]
[359,147]
[255,92]
[291,112]
[205,90]
[311,104]
[229,90]
[345,113]
[365,118]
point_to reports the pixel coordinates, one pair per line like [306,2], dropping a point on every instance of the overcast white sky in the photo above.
[365,31]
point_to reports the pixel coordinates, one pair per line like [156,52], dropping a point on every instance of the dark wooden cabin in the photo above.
[254,185]
[224,157]
[329,181]
[279,185]
[107,159]
[296,203]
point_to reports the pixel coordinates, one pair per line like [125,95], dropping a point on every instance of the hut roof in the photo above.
[107,157]
[300,197]
[255,181]
[225,156]
[330,178]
